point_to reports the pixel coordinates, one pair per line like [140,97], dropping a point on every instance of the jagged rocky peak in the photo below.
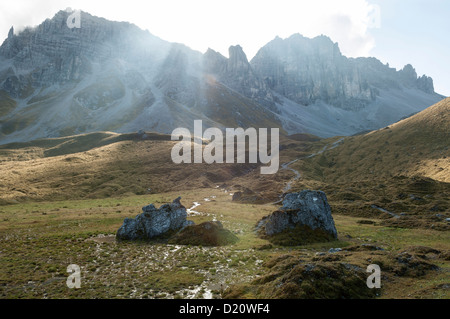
[236,64]
[8,49]
[306,70]
[408,77]
[54,52]
[236,73]
[53,40]
[425,83]
[408,74]
[96,39]
[241,77]
[11,32]
[214,62]
[321,46]
[309,70]
[238,60]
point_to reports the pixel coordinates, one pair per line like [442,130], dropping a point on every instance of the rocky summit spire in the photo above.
[8,48]
[11,32]
[214,62]
[238,60]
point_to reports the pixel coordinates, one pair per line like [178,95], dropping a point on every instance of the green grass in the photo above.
[392,238]
[39,240]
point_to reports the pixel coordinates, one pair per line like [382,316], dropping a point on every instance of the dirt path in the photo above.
[297,176]
[385,211]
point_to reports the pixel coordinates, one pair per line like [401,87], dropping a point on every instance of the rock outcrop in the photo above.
[305,216]
[307,70]
[237,74]
[154,222]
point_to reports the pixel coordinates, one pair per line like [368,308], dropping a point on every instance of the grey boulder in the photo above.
[306,208]
[154,222]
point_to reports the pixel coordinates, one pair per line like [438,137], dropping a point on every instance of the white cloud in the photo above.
[218,24]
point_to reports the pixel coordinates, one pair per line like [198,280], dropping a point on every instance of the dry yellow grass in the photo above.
[99,165]
[419,145]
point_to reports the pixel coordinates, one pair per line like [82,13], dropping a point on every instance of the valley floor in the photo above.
[38,240]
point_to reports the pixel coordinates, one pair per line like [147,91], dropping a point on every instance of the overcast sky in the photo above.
[394,31]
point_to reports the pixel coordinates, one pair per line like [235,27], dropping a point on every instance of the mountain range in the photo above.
[112,76]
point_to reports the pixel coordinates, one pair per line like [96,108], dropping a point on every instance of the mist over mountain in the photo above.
[113,76]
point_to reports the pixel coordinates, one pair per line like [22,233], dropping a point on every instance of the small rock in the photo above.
[320,254]
[142,135]
[264,247]
[371,247]
[236,196]
[413,197]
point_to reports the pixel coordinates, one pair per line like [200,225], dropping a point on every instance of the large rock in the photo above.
[305,211]
[247,196]
[154,222]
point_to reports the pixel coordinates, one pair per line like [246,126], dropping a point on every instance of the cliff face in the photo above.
[55,53]
[237,73]
[56,80]
[306,70]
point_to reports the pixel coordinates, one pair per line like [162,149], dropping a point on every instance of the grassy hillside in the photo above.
[417,146]
[104,164]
